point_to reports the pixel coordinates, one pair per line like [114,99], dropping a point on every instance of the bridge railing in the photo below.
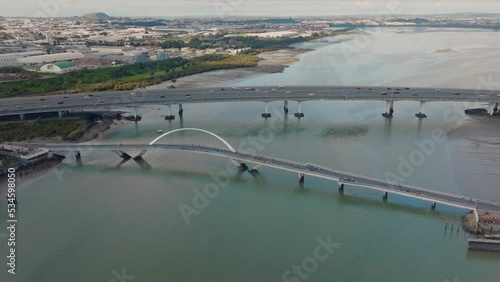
[261,159]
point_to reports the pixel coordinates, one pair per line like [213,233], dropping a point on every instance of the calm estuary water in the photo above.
[100,221]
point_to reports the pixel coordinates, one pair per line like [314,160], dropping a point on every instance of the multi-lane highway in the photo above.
[121,99]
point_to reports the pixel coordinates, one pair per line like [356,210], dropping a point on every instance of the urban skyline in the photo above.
[176,8]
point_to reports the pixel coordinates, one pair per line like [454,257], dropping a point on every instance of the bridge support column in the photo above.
[60,114]
[384,195]
[169,116]
[492,108]
[299,113]
[341,187]
[181,110]
[21,116]
[122,154]
[433,205]
[301,178]
[421,112]
[389,109]
[78,157]
[285,106]
[266,114]
[243,166]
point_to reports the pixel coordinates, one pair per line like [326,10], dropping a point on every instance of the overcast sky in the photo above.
[55,8]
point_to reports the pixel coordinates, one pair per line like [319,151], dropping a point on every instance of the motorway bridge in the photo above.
[298,94]
[242,159]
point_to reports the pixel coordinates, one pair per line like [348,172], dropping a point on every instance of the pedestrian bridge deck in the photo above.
[346,178]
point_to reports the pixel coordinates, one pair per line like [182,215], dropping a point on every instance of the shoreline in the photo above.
[270,62]
[95,130]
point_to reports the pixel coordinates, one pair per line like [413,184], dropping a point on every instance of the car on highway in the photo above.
[86,97]
[42,99]
[100,101]
[210,91]
[388,88]
[358,88]
[288,92]
[60,102]
[407,88]
[480,95]
[162,96]
[18,107]
[383,93]
[91,95]
[396,92]
[65,97]
[311,94]
[274,89]
[347,93]
[222,89]
[415,94]
[438,90]
[457,93]
[45,106]
[97,95]
[188,96]
[370,89]
[257,89]
[398,89]
[281,86]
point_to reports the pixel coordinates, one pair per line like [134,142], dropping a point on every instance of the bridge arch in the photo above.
[194,129]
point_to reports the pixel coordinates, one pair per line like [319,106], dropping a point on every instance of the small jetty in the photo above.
[484,245]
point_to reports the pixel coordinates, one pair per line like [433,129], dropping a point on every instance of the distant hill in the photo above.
[99,16]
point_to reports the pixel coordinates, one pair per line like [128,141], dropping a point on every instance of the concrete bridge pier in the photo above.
[122,154]
[181,110]
[169,116]
[266,114]
[433,205]
[60,113]
[492,108]
[341,187]
[421,112]
[78,157]
[301,178]
[285,106]
[243,167]
[299,113]
[21,116]
[384,195]
[135,113]
[389,109]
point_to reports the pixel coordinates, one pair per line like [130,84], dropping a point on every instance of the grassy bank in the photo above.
[24,130]
[126,77]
